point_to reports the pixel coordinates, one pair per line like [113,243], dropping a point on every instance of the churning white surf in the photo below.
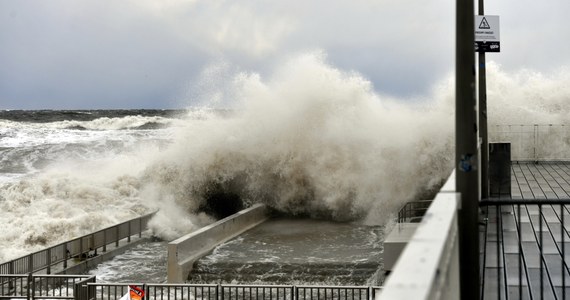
[308,139]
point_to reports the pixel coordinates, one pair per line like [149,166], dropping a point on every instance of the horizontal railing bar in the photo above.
[331,286]
[120,284]
[547,201]
[178,285]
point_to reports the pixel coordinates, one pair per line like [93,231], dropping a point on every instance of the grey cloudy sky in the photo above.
[150,53]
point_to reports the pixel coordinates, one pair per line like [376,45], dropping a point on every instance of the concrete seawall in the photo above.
[183,252]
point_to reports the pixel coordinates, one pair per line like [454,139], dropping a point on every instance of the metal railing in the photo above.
[413,211]
[428,267]
[80,248]
[535,142]
[525,245]
[28,286]
[107,291]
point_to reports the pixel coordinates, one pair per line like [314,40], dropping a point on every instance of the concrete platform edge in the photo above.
[184,251]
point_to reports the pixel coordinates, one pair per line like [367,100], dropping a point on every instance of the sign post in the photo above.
[487,39]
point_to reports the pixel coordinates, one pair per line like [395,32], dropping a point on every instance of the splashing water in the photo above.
[307,140]
[310,140]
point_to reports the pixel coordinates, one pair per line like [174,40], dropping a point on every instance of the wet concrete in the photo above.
[296,251]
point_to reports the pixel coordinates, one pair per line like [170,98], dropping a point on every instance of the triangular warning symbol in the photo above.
[484,24]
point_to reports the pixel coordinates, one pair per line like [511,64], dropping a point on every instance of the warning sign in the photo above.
[487,37]
[484,24]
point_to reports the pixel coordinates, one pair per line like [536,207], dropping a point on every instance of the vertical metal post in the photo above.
[65,251]
[519,229]
[31,286]
[563,252]
[81,249]
[48,260]
[105,240]
[498,244]
[129,229]
[117,237]
[483,131]
[30,263]
[466,150]
[541,251]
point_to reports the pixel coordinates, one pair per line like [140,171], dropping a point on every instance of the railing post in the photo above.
[535,143]
[30,286]
[30,263]
[540,246]
[117,237]
[563,251]
[140,227]
[105,240]
[66,257]
[92,244]
[48,260]
[519,228]
[81,248]
[498,245]
[129,234]
[11,271]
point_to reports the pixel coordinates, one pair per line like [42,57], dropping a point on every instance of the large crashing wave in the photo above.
[309,140]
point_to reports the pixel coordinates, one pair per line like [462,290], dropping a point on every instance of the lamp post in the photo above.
[466,150]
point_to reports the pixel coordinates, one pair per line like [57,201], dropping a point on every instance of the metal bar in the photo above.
[497,232]
[519,236]
[562,233]
[117,236]
[495,201]
[540,246]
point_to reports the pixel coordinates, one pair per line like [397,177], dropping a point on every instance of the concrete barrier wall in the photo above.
[428,268]
[183,252]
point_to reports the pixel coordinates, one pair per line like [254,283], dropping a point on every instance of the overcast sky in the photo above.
[91,54]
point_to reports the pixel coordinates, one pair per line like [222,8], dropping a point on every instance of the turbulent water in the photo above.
[308,139]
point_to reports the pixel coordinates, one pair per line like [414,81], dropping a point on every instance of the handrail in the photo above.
[231,291]
[502,201]
[534,142]
[30,286]
[79,248]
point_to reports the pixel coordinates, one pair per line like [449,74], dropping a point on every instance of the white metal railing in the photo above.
[79,248]
[428,268]
[534,142]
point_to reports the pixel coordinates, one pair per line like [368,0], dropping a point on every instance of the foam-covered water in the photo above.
[308,139]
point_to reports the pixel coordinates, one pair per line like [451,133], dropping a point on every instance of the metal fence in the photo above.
[107,291]
[535,142]
[413,211]
[79,248]
[28,286]
[524,249]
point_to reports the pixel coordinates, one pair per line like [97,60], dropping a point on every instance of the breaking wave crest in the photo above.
[309,140]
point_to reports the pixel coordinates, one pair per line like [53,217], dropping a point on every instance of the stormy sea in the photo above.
[308,140]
